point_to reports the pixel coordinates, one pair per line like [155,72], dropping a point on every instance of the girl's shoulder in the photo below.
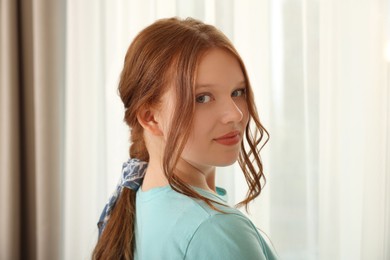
[193,230]
[166,200]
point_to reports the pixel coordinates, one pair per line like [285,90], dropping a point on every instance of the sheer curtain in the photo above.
[329,118]
[354,173]
[319,72]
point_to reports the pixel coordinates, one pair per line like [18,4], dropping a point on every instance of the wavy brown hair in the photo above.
[166,54]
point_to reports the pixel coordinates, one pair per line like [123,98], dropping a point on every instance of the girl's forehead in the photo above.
[219,66]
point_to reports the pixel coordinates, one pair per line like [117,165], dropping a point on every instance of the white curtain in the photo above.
[354,173]
[320,76]
[329,190]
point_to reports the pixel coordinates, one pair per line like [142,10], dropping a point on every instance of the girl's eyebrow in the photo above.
[197,86]
[241,83]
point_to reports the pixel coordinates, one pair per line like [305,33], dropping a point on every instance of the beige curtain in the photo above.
[31,77]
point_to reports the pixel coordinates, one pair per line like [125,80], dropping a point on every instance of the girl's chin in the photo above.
[226,163]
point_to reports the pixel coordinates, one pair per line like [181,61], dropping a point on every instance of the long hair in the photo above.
[166,54]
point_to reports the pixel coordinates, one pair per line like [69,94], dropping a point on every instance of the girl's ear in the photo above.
[147,119]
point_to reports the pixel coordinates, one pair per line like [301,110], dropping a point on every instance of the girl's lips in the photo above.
[231,138]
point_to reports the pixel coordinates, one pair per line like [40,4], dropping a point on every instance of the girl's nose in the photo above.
[231,112]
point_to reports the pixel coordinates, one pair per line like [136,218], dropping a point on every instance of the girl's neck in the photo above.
[155,176]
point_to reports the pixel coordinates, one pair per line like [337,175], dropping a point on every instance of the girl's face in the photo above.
[221,112]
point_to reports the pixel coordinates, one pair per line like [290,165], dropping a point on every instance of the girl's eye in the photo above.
[203,98]
[239,92]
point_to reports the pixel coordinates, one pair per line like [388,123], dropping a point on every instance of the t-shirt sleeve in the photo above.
[227,237]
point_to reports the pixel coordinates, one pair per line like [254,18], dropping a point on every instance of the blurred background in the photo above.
[320,72]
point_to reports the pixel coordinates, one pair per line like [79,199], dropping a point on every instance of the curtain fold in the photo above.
[84,132]
[48,86]
[9,133]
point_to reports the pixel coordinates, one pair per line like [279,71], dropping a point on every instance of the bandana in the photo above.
[133,172]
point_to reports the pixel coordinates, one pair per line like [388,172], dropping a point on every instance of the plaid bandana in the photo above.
[133,172]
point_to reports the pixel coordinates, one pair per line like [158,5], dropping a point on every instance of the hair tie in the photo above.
[133,172]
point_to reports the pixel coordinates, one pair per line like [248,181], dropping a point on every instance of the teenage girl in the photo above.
[190,108]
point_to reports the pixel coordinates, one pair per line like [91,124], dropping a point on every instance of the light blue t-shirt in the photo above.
[170,225]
